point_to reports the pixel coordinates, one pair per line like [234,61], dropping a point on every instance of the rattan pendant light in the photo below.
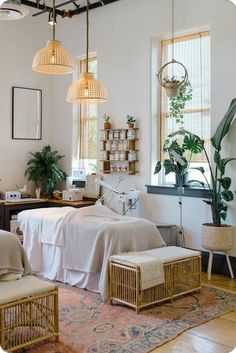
[53,59]
[87,89]
[172,84]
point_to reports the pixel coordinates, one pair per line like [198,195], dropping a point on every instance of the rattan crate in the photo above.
[30,318]
[181,277]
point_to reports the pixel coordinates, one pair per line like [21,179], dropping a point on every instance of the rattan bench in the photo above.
[28,312]
[182,275]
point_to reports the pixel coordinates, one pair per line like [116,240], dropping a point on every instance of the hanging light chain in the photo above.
[87,35]
[172,26]
[54,20]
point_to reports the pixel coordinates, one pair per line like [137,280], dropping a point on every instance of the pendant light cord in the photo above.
[172,26]
[87,35]
[54,20]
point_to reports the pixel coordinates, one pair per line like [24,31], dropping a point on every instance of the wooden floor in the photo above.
[215,336]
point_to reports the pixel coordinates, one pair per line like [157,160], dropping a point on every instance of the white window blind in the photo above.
[194,52]
[88,120]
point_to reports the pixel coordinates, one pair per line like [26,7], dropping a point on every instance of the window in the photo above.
[87,149]
[194,52]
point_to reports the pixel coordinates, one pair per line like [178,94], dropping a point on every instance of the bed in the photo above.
[73,245]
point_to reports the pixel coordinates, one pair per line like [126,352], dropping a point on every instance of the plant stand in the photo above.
[209,267]
[181,240]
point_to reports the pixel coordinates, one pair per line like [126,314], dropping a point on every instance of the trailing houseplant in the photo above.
[43,169]
[177,103]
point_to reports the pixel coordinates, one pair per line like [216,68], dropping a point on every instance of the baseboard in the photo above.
[219,265]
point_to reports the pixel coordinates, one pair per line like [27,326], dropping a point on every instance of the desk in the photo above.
[13,208]
[77,204]
[8,209]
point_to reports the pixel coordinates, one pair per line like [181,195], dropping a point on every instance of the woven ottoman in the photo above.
[28,312]
[182,270]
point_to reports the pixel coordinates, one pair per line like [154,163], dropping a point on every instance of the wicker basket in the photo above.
[30,319]
[182,276]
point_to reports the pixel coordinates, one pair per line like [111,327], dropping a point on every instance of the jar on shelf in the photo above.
[116,135]
[118,168]
[108,146]
[110,135]
[104,136]
[120,146]
[132,156]
[122,155]
[112,168]
[124,168]
[131,134]
[114,146]
[116,156]
[104,155]
[111,156]
[125,145]
[122,134]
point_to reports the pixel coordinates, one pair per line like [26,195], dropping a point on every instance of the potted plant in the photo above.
[107,124]
[43,169]
[180,147]
[130,121]
[215,235]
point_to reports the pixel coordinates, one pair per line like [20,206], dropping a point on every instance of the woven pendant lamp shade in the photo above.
[86,90]
[53,59]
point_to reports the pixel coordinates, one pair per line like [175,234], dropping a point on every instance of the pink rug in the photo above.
[88,325]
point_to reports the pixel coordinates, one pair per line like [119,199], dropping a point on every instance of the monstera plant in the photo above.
[180,148]
[43,169]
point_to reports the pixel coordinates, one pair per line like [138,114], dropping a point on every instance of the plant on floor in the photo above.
[43,169]
[219,185]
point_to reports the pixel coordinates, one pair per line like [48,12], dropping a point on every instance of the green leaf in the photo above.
[219,162]
[224,126]
[157,167]
[169,166]
[194,181]
[225,182]
[227,195]
[193,144]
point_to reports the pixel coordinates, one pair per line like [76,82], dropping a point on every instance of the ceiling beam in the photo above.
[61,13]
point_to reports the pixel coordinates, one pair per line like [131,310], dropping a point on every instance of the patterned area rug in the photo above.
[88,325]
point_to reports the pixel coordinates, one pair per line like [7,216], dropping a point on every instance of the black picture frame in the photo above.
[26,113]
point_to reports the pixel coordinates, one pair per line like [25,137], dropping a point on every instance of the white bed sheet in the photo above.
[79,250]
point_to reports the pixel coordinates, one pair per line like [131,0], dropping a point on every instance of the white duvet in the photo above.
[88,236]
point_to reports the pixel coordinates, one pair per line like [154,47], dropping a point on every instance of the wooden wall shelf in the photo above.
[119,152]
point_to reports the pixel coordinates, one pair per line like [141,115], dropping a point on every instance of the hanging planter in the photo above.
[172,84]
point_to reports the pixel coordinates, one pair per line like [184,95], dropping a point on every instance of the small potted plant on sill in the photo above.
[180,147]
[107,124]
[130,121]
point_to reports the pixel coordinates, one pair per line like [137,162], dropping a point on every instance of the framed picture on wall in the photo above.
[26,113]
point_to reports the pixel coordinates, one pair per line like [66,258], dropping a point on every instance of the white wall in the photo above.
[19,42]
[122,34]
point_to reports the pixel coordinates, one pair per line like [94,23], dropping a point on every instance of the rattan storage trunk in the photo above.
[181,277]
[27,315]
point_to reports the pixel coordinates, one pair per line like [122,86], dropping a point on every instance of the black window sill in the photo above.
[174,191]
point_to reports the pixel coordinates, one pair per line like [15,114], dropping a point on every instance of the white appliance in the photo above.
[10,195]
[72,195]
